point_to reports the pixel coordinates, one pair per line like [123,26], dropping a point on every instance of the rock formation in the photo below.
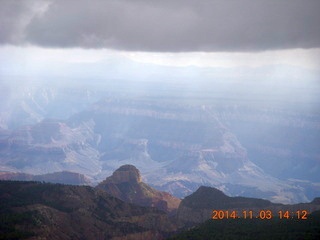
[125,184]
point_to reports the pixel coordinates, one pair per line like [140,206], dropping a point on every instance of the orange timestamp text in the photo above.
[264,214]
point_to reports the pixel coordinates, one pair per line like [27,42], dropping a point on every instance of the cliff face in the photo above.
[125,184]
[51,146]
[199,206]
[53,211]
[126,173]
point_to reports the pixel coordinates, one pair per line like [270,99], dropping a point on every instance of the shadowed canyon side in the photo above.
[120,207]
[125,184]
[198,207]
[31,210]
[256,229]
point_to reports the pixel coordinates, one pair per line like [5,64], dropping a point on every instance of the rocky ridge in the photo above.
[64,177]
[126,184]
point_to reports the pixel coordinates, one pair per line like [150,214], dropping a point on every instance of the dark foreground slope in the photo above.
[275,228]
[34,210]
[198,207]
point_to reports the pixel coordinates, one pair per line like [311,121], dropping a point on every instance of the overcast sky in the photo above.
[218,33]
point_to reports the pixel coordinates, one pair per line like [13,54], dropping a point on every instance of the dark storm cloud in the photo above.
[13,16]
[166,25]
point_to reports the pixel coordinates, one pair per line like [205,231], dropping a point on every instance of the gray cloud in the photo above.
[13,16]
[166,25]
